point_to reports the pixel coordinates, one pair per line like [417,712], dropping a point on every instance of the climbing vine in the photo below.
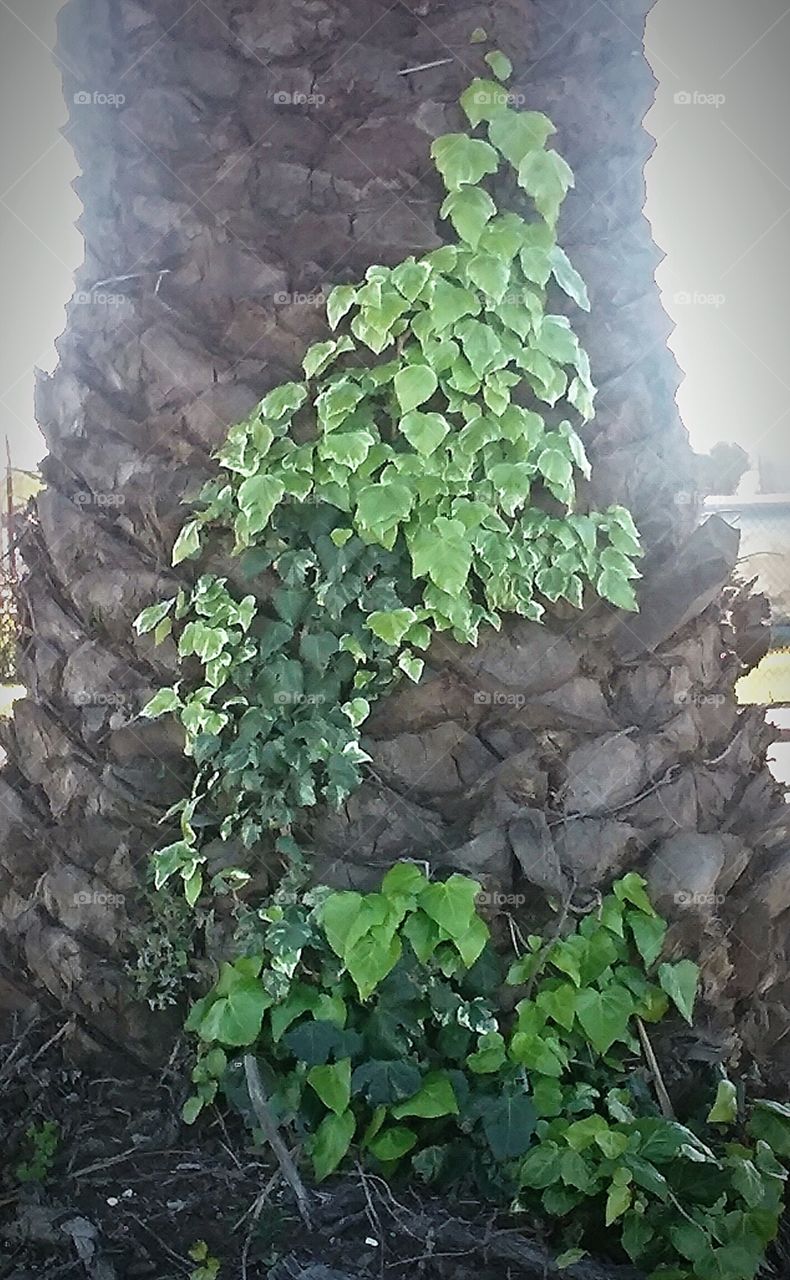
[381,1022]
[421,478]
[378,502]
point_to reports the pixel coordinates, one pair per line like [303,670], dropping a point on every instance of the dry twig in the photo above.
[260,1105]
[658,1080]
[254,1213]
[425,66]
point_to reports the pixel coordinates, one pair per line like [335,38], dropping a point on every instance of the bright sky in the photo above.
[39,244]
[719,201]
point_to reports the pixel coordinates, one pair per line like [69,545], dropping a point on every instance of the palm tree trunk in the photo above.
[239,157]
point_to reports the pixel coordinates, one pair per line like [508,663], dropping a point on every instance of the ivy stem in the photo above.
[548,946]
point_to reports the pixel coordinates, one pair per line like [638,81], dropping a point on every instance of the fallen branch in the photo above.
[658,1080]
[260,1105]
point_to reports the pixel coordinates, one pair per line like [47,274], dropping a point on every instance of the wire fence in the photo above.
[764,524]
[11,505]
[8,627]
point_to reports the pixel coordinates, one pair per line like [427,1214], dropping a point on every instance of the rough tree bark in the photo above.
[265,151]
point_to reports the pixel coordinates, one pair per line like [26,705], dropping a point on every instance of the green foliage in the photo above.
[41,1141]
[208,1267]
[379,1021]
[422,478]
[164,950]
[379,501]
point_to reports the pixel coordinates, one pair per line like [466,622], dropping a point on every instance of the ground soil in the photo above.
[131,1190]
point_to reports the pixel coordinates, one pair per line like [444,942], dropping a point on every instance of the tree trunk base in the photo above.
[254,154]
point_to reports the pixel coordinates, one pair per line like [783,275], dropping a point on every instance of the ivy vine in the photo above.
[377,503]
[388,1025]
[422,479]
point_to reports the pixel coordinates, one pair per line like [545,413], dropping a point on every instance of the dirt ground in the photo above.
[130,1191]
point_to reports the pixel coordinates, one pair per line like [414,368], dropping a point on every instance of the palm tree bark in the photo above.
[262,152]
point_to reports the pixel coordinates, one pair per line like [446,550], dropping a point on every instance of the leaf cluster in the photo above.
[421,478]
[41,1144]
[378,1024]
